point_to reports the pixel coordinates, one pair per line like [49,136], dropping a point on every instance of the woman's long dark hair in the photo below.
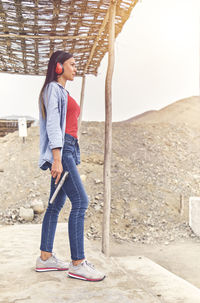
[58,56]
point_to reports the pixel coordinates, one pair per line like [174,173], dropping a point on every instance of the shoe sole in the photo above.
[71,275]
[50,269]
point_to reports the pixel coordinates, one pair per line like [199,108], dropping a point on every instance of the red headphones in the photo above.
[59,68]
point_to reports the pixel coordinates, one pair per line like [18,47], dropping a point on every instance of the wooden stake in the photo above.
[181,209]
[81,106]
[108,132]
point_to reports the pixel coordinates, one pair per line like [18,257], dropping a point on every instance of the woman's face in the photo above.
[69,69]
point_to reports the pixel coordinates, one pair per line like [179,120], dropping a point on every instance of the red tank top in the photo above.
[73,112]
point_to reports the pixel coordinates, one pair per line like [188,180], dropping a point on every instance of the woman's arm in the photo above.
[56,169]
[53,128]
[51,101]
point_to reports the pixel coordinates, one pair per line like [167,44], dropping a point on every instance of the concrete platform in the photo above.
[129,279]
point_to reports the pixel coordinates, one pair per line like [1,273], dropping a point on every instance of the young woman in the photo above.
[59,151]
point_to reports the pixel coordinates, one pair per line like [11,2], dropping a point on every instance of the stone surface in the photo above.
[128,279]
[194,214]
[26,214]
[37,206]
[158,281]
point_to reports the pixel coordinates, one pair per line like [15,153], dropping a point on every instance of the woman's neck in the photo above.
[62,81]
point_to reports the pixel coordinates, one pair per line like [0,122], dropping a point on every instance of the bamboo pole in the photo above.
[81,106]
[48,37]
[102,28]
[108,132]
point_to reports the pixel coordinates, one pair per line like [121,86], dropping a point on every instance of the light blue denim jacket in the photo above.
[52,128]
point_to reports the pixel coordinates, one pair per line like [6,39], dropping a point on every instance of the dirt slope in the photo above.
[155,164]
[183,111]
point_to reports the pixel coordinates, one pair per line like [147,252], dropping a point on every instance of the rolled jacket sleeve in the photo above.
[53,124]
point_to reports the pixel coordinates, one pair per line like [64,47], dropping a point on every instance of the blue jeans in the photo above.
[74,189]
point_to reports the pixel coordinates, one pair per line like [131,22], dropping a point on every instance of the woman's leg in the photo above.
[50,221]
[74,189]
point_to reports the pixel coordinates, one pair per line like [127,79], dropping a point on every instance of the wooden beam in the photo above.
[68,22]
[108,132]
[3,21]
[36,28]
[81,106]
[96,41]
[21,21]
[43,37]
[56,11]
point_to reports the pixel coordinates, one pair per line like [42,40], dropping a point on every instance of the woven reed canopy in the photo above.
[31,30]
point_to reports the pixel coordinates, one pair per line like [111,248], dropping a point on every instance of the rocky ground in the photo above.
[155,169]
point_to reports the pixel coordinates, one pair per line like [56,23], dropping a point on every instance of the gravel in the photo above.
[155,169]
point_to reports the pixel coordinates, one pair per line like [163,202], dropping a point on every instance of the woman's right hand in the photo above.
[56,168]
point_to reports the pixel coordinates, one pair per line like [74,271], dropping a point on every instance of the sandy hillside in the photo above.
[154,165]
[183,111]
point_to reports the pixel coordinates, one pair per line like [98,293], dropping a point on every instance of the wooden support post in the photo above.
[108,132]
[81,106]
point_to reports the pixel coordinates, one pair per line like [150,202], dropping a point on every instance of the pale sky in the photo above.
[156,63]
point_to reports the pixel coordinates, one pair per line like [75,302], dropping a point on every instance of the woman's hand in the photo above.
[56,169]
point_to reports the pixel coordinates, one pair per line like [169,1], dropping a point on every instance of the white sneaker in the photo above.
[51,264]
[85,271]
